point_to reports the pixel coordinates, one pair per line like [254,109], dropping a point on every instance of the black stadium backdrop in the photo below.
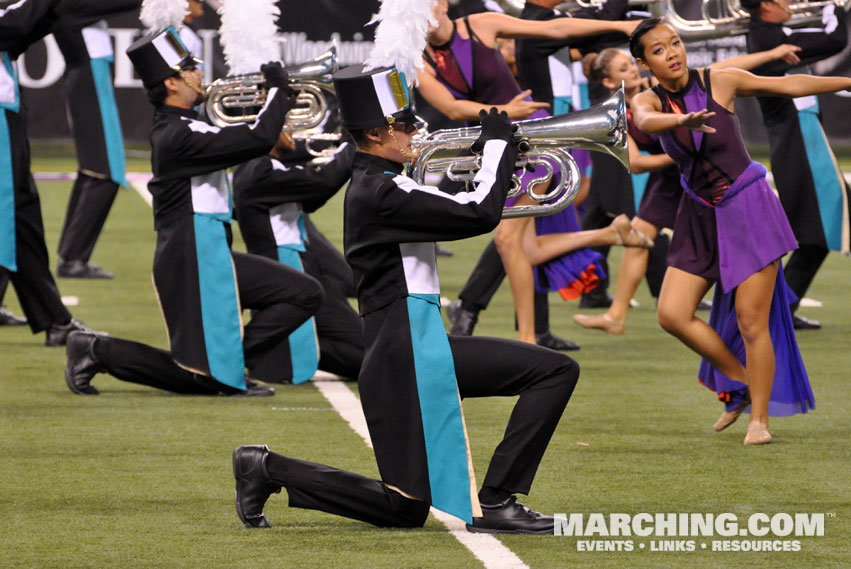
[309,28]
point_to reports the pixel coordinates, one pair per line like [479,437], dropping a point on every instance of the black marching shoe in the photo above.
[254,389]
[801,323]
[9,318]
[81,270]
[253,486]
[82,363]
[461,321]
[595,300]
[57,334]
[553,342]
[511,517]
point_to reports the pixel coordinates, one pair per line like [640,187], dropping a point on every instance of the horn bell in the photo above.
[602,128]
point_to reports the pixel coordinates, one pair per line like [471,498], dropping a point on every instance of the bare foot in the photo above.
[727,418]
[628,236]
[602,322]
[757,435]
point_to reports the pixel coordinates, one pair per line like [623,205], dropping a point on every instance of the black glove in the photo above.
[275,74]
[495,126]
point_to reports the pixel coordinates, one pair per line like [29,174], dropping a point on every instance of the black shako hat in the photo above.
[373,98]
[159,56]
[750,4]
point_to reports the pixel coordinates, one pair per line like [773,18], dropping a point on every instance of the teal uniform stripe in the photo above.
[829,188]
[304,342]
[7,198]
[219,303]
[639,184]
[7,179]
[440,405]
[109,118]
[584,96]
[561,105]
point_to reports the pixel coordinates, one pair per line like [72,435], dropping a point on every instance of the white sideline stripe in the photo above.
[141,186]
[490,551]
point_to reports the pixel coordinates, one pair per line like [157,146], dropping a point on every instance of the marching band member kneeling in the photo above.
[201,284]
[413,375]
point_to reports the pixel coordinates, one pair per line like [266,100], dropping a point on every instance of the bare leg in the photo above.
[542,248]
[678,299]
[632,270]
[509,243]
[753,304]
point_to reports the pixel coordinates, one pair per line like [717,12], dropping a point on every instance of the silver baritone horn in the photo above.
[239,98]
[541,142]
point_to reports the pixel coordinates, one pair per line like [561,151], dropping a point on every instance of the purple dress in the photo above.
[729,226]
[475,72]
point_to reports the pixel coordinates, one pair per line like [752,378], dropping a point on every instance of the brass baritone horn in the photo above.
[724,18]
[601,128]
[239,98]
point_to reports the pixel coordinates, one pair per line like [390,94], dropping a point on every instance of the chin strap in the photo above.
[193,86]
[390,121]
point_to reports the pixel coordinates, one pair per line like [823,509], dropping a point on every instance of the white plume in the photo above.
[249,34]
[157,15]
[401,35]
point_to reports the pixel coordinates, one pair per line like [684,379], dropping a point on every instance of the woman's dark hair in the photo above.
[157,94]
[636,46]
[595,66]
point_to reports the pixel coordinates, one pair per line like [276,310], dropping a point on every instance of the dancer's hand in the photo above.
[697,121]
[520,108]
[788,53]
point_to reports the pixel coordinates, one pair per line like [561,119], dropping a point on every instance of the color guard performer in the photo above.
[414,375]
[730,229]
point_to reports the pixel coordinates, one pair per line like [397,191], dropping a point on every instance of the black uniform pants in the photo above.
[280,298]
[88,208]
[543,379]
[485,280]
[801,269]
[4,283]
[33,281]
[338,326]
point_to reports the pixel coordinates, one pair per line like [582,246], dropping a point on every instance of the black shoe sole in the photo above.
[472,529]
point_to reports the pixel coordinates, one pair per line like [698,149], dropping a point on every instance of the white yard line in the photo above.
[490,551]
[140,184]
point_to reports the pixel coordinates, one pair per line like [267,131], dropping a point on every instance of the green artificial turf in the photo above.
[141,478]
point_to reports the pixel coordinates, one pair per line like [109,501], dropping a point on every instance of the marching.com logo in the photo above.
[678,528]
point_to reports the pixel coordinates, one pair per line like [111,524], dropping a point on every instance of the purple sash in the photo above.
[753,230]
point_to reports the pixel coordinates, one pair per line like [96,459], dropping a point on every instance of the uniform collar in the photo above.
[378,163]
[169,110]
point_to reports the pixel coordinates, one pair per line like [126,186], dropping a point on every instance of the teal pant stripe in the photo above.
[828,187]
[109,119]
[443,428]
[219,303]
[639,184]
[304,342]
[7,198]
